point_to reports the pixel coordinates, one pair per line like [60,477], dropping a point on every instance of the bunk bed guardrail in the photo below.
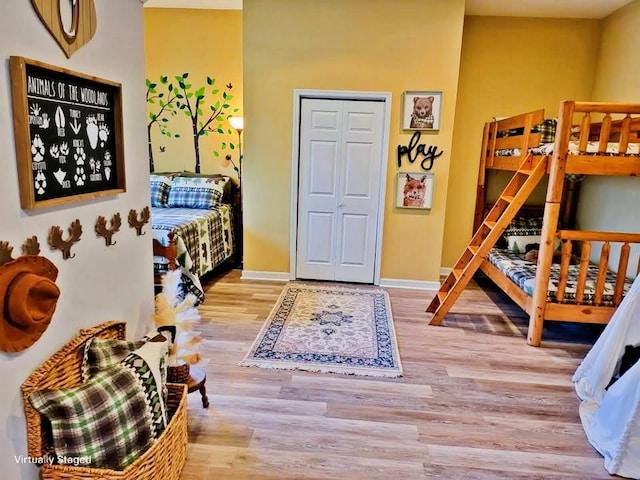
[584,240]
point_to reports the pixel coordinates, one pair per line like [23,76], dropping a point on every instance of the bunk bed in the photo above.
[589,139]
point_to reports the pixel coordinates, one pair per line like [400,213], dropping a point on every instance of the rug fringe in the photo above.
[317,369]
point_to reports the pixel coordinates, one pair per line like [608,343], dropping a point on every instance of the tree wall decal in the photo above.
[166,109]
[194,102]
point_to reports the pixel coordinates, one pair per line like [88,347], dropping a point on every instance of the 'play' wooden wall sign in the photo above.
[83,22]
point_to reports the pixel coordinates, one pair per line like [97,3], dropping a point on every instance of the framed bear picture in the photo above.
[414,190]
[421,110]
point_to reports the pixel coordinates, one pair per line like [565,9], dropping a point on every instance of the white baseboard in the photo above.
[409,284]
[444,271]
[266,276]
[384,282]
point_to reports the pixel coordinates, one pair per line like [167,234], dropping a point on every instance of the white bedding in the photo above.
[611,418]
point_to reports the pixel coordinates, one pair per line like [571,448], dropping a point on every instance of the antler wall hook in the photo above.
[31,246]
[57,243]
[136,223]
[107,233]
[5,252]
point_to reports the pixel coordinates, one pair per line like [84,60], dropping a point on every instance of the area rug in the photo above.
[330,330]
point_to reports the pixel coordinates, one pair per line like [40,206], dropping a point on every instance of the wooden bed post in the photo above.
[550,223]
[481,193]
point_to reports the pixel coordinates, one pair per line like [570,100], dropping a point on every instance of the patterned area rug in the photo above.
[329,329]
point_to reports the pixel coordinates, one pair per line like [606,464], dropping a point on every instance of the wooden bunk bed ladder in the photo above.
[519,188]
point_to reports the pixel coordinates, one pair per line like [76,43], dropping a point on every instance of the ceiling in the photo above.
[214,4]
[505,8]
[545,8]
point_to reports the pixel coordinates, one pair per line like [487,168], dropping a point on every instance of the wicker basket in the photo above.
[178,373]
[163,461]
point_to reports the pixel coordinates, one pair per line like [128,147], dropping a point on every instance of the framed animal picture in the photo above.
[414,190]
[421,110]
[68,134]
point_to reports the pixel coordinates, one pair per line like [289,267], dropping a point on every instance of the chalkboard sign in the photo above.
[68,131]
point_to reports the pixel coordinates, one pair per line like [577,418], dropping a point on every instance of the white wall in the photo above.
[100,283]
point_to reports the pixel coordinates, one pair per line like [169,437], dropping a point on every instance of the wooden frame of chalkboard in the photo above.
[68,133]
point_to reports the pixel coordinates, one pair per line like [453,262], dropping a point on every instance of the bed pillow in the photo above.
[524,226]
[160,187]
[524,234]
[519,243]
[111,419]
[196,192]
[223,181]
[547,130]
[521,232]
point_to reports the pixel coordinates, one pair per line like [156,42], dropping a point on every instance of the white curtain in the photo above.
[611,418]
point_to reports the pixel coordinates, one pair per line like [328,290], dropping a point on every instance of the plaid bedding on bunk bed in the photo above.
[547,130]
[523,274]
[204,238]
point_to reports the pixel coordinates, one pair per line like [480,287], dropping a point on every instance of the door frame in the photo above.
[298,96]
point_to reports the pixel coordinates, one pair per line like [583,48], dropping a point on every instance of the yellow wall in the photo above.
[617,80]
[542,61]
[203,43]
[360,45]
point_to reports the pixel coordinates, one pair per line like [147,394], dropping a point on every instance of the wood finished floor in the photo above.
[475,401]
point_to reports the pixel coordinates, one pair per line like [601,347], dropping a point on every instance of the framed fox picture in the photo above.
[414,190]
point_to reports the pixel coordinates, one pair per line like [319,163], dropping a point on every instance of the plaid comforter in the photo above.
[523,274]
[204,239]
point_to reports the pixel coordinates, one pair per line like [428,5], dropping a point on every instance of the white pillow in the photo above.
[518,243]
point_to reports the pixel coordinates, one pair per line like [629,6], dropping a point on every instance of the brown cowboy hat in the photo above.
[28,297]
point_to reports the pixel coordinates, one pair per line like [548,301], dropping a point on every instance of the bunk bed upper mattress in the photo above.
[523,274]
[613,148]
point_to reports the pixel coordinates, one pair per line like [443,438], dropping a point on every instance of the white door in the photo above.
[338,189]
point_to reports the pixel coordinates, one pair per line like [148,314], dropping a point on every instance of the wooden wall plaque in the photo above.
[68,132]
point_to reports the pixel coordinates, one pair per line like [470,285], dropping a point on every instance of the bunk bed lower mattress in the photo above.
[523,274]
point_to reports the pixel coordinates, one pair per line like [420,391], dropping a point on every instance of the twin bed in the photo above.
[588,277]
[194,224]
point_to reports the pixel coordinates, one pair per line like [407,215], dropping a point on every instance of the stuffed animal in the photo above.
[422,115]
[532,256]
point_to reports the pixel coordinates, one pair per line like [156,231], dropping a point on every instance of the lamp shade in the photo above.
[237,123]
